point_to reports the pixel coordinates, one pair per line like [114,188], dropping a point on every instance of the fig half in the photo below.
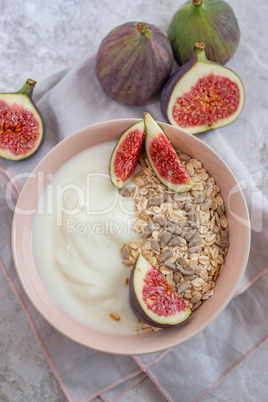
[152,298]
[126,154]
[164,159]
[21,125]
[202,95]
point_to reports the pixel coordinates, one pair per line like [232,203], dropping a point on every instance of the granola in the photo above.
[183,235]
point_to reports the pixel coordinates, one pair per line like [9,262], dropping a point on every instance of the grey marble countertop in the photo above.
[40,38]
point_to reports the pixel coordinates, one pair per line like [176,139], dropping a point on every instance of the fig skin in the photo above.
[211,22]
[138,305]
[201,66]
[133,63]
[21,102]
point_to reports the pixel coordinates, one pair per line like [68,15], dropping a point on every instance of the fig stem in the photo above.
[28,87]
[197,3]
[143,28]
[199,49]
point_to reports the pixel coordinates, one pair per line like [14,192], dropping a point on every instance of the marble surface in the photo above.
[39,39]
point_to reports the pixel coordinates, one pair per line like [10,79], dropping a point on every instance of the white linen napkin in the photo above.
[72,100]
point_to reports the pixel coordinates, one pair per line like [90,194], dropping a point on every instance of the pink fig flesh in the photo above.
[152,298]
[126,154]
[21,125]
[164,159]
[202,95]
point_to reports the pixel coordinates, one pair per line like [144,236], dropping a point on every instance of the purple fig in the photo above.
[133,63]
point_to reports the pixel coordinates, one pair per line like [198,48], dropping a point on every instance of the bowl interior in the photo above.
[148,342]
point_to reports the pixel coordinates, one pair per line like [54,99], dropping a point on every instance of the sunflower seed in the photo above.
[170,265]
[124,192]
[216,229]
[158,200]
[177,276]
[183,286]
[192,216]
[179,196]
[193,225]
[206,205]
[188,207]
[182,262]
[186,270]
[153,225]
[200,198]
[124,252]
[184,231]
[181,205]
[190,234]
[190,277]
[161,219]
[220,250]
[165,255]
[155,245]
[224,235]
[128,263]
[196,305]
[166,236]
[194,249]
[175,241]
[168,197]
[174,228]
[195,240]
[223,243]
[146,233]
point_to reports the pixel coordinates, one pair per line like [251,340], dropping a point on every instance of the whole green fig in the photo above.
[211,22]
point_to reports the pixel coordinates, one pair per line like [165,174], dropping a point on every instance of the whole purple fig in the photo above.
[133,63]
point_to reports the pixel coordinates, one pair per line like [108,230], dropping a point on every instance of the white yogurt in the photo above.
[81,223]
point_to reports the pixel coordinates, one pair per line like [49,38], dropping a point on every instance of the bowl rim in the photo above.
[44,303]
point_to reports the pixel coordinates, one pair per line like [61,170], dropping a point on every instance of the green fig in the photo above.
[211,22]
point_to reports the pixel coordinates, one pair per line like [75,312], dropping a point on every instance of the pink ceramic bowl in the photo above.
[146,342]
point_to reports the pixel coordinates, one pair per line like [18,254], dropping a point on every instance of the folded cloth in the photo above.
[72,100]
